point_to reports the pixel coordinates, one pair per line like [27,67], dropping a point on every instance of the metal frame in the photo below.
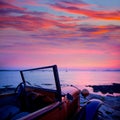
[56,76]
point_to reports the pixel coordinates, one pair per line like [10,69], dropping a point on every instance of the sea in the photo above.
[80,79]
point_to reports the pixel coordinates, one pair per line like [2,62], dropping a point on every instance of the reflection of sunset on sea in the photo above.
[71,34]
[83,78]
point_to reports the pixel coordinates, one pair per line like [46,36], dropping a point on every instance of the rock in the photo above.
[114,88]
[111,107]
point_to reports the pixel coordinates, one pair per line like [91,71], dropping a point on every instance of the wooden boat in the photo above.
[39,96]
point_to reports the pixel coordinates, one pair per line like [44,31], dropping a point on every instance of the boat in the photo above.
[39,96]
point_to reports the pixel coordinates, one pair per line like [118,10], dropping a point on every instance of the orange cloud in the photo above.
[101,30]
[113,15]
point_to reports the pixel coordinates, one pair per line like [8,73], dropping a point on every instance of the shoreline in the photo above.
[111,89]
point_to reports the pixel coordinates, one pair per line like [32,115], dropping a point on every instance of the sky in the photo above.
[81,34]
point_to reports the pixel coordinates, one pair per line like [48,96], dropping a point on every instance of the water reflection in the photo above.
[82,79]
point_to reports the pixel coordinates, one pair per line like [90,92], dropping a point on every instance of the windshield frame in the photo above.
[56,78]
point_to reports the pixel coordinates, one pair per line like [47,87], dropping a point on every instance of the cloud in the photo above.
[74,3]
[26,22]
[102,29]
[57,32]
[23,19]
[33,23]
[106,15]
[6,8]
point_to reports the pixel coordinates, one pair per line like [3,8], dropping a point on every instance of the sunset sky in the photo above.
[70,33]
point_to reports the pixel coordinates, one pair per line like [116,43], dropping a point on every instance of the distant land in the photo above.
[69,69]
[78,69]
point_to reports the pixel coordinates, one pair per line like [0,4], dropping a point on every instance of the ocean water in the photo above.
[80,79]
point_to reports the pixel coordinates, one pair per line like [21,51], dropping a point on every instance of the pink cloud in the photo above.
[33,38]
[5,5]
[68,55]
[75,4]
[107,15]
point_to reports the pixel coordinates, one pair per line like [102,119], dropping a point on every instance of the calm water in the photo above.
[83,78]
[77,78]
